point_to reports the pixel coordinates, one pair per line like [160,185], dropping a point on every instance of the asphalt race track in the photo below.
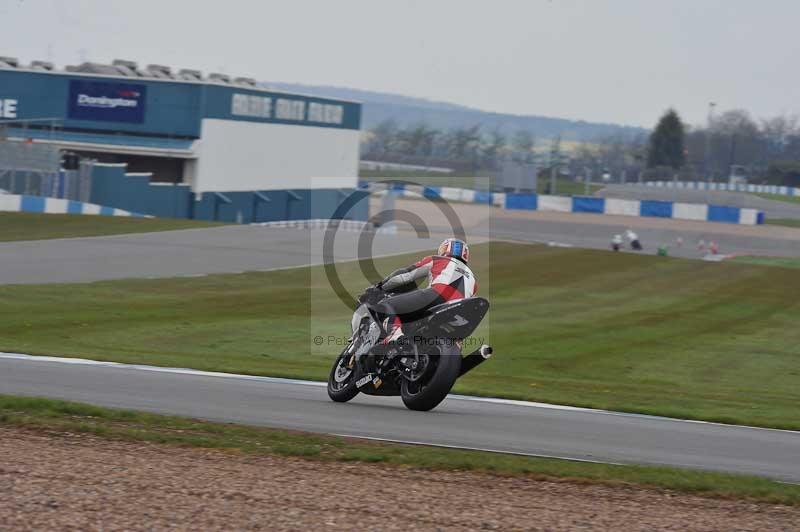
[505,426]
[585,231]
[238,248]
[228,249]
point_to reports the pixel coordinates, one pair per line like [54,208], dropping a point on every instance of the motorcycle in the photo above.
[422,367]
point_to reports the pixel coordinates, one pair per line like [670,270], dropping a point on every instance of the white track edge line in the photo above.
[156,369]
[280,380]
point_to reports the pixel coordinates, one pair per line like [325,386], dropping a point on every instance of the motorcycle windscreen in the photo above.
[454,320]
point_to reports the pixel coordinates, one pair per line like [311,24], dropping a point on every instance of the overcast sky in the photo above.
[621,61]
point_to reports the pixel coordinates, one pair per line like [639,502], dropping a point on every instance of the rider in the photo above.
[449,279]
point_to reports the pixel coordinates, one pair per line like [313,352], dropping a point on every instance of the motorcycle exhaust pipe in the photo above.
[474,359]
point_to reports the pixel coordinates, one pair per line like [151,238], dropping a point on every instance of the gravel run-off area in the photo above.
[80,482]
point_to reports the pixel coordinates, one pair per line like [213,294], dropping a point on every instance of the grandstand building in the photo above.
[208,134]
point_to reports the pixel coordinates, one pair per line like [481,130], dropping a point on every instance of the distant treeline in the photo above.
[766,150]
[732,144]
[466,149]
[471,150]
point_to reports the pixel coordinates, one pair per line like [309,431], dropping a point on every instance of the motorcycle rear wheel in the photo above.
[426,394]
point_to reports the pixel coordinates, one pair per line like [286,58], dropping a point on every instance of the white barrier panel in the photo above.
[45,205]
[10,202]
[612,206]
[748,216]
[622,207]
[690,211]
[55,206]
[412,191]
[554,203]
[450,193]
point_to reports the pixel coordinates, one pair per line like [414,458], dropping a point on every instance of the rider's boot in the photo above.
[395,337]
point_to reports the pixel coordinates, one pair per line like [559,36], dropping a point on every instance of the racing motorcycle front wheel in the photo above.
[342,381]
[430,384]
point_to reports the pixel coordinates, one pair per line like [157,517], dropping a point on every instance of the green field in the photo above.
[635,333]
[783,262]
[779,197]
[59,417]
[18,226]
[786,222]
[567,187]
[431,179]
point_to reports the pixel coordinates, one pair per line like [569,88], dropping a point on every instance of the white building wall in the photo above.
[241,156]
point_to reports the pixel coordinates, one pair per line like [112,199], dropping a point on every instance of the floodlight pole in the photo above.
[709,118]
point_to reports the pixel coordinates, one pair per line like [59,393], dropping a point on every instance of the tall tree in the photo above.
[523,143]
[667,143]
[418,139]
[465,142]
[493,148]
[383,137]
[737,139]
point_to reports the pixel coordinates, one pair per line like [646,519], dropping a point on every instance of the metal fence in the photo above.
[35,169]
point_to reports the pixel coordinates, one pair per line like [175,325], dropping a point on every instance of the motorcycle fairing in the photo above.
[453,320]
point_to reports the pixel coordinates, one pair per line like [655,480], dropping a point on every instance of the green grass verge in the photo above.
[786,222]
[18,226]
[779,197]
[432,179]
[60,416]
[566,187]
[635,333]
[783,262]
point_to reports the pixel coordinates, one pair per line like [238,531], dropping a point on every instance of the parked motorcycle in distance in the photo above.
[633,238]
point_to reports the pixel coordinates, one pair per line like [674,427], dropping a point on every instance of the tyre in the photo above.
[440,374]
[342,382]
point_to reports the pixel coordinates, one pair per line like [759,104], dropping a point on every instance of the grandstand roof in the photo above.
[121,68]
